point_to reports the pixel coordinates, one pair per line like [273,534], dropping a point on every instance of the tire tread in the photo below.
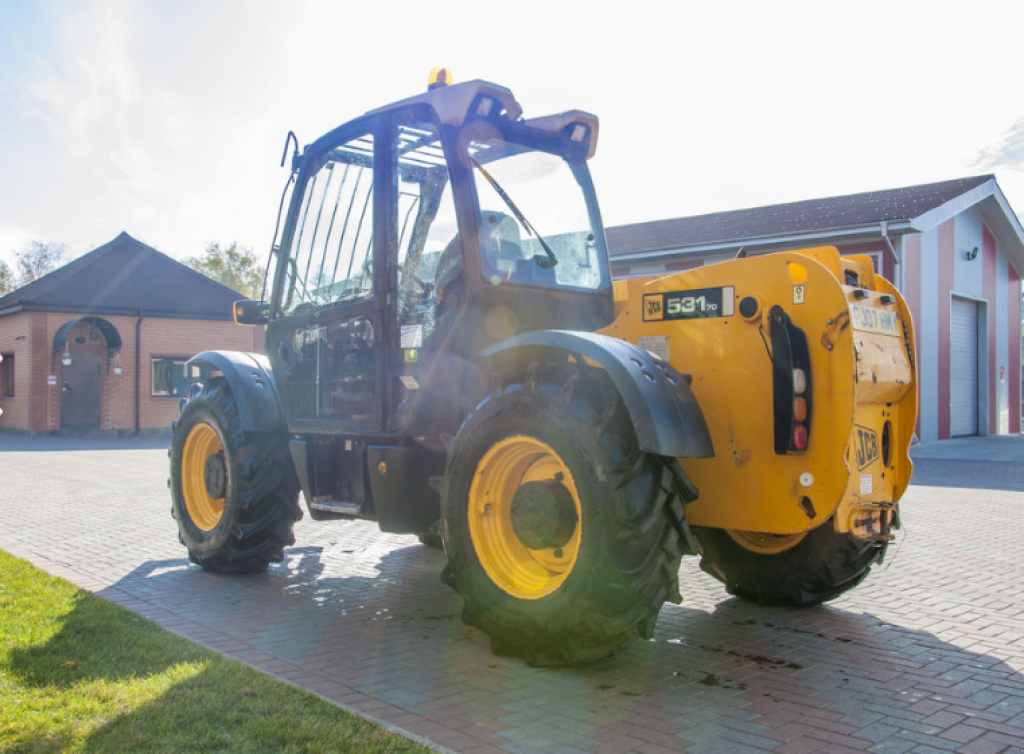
[618,595]
[267,488]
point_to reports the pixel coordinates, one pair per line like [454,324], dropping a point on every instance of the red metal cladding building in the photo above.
[955,249]
[100,344]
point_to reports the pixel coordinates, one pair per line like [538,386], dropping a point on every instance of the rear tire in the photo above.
[234,493]
[821,566]
[576,590]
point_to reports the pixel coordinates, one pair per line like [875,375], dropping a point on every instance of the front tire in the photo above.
[432,537]
[793,571]
[562,537]
[234,493]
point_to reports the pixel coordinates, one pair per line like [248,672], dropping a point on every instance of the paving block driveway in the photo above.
[926,656]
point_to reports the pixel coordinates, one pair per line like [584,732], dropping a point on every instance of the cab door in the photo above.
[324,340]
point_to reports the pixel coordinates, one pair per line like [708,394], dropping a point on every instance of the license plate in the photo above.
[879,321]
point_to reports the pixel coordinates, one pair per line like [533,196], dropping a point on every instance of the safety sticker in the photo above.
[866,484]
[412,336]
[656,344]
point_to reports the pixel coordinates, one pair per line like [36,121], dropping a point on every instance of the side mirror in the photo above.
[251,312]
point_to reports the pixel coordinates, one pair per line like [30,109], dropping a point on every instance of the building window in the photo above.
[170,377]
[876,261]
[7,375]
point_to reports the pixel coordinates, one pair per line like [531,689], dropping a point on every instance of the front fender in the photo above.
[665,415]
[252,385]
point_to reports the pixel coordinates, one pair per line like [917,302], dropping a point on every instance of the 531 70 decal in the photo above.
[697,303]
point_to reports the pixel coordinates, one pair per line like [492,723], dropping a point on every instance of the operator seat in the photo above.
[448,273]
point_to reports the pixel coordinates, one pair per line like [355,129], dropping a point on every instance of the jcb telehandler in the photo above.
[448,355]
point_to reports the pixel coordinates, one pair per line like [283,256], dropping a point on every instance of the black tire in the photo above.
[260,488]
[432,537]
[627,563]
[819,568]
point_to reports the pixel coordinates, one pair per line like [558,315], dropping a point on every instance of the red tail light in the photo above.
[791,383]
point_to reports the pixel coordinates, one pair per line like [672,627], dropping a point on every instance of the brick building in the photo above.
[101,343]
[954,248]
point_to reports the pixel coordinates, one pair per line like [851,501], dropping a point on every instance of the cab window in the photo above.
[427,231]
[331,259]
[535,227]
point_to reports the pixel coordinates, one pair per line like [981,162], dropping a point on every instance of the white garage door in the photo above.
[963,368]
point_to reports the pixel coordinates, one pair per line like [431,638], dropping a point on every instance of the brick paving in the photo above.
[926,656]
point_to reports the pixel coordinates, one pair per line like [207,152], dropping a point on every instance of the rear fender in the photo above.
[252,385]
[665,415]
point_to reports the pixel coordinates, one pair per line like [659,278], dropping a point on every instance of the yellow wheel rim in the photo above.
[764,543]
[203,508]
[516,569]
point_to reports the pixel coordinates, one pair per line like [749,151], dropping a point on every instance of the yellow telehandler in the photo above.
[447,354]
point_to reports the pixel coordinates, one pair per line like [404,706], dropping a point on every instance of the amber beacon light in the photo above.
[439,76]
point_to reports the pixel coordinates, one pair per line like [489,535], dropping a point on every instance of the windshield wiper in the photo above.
[546,262]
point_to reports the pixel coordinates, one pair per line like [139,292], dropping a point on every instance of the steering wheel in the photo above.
[425,288]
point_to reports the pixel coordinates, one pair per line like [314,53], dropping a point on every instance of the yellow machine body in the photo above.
[861,388]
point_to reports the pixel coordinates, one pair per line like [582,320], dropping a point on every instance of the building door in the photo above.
[963,368]
[80,391]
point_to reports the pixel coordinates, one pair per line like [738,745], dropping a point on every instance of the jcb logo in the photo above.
[866,446]
[653,307]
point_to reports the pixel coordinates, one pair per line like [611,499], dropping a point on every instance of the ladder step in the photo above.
[330,505]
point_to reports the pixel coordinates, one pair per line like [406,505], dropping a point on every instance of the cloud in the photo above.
[1008,152]
[13,238]
[72,100]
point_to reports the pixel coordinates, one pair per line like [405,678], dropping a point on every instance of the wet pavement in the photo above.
[926,656]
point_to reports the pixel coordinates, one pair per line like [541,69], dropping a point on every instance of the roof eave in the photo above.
[1006,227]
[953,207]
[994,209]
[118,312]
[772,242]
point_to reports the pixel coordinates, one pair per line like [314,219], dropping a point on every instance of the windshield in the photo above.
[535,227]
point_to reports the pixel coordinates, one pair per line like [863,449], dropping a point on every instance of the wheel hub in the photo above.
[523,472]
[215,476]
[765,543]
[543,514]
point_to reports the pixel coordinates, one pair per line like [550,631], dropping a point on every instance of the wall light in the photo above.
[971,255]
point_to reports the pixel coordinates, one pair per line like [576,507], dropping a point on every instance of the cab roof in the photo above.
[452,102]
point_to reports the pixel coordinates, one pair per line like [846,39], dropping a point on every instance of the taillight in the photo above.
[800,409]
[791,383]
[799,381]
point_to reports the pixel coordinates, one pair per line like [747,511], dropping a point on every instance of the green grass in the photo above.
[79,674]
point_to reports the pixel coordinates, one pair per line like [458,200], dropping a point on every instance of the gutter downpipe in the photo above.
[138,370]
[896,259]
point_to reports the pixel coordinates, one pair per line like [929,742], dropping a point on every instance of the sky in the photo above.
[167,119]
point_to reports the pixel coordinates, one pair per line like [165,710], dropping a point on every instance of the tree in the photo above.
[31,263]
[233,266]
[37,259]
[7,281]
